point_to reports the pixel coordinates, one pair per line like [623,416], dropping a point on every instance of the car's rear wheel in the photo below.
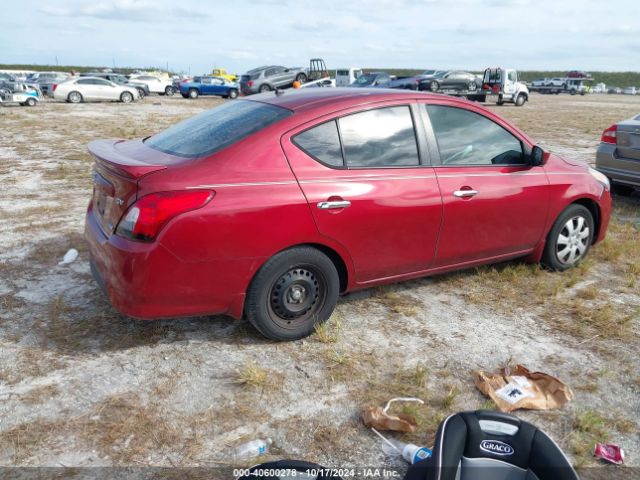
[141,93]
[301,77]
[294,291]
[74,97]
[472,86]
[264,88]
[569,239]
[126,97]
[435,86]
[169,91]
[31,102]
[193,93]
[233,93]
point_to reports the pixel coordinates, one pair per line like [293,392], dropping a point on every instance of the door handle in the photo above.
[334,204]
[465,193]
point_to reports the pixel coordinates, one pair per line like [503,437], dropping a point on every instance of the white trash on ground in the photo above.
[69,257]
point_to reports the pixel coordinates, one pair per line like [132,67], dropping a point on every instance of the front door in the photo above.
[494,203]
[370,188]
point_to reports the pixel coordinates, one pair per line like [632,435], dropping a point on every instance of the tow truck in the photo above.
[504,85]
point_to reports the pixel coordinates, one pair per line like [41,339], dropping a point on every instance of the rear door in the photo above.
[494,204]
[367,178]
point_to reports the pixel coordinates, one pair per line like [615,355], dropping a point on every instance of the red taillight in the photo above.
[145,218]
[250,83]
[609,135]
[55,85]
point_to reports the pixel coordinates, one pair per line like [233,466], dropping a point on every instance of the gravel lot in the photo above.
[82,386]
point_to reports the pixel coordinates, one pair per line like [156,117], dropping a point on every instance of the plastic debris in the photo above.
[410,452]
[609,452]
[252,449]
[514,388]
[380,418]
[69,257]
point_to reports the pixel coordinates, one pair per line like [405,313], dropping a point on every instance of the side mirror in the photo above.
[537,157]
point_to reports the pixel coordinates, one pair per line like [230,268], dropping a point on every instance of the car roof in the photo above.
[305,99]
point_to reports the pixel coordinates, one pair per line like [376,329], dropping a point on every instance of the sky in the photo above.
[193,36]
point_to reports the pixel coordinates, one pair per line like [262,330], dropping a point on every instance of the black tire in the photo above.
[520,100]
[31,102]
[126,97]
[141,93]
[556,258]
[621,189]
[193,93]
[301,77]
[264,88]
[74,97]
[184,95]
[169,91]
[500,100]
[233,94]
[272,306]
[435,86]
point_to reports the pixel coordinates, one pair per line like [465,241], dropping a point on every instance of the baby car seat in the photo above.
[487,445]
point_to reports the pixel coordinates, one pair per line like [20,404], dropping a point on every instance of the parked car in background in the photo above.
[452,80]
[143,89]
[406,83]
[270,208]
[88,89]
[264,79]
[346,76]
[539,82]
[630,91]
[372,79]
[618,156]
[577,74]
[46,81]
[161,86]
[208,85]
[222,73]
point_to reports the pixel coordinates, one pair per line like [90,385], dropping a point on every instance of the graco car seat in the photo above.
[487,445]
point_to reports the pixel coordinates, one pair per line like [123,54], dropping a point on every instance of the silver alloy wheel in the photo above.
[126,97]
[572,241]
[75,97]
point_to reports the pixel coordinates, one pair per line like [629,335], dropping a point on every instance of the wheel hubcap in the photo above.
[573,240]
[295,295]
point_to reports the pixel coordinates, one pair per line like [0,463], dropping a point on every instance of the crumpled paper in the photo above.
[515,388]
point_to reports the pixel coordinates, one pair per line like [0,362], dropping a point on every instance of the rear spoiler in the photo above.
[110,157]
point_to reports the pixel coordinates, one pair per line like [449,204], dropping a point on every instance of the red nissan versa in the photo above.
[271,207]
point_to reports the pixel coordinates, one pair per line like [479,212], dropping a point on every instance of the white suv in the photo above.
[156,85]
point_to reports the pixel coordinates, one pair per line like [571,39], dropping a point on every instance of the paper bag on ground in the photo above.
[377,418]
[516,388]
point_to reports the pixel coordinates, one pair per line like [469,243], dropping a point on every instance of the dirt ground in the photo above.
[81,385]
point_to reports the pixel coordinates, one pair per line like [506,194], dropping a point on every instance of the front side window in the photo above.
[468,138]
[217,128]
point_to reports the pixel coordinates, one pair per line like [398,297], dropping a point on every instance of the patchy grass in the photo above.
[253,376]
[329,331]
[398,302]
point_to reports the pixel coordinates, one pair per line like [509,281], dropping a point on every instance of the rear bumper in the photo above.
[147,281]
[618,169]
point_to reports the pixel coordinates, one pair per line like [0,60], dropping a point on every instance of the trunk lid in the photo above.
[119,166]
[628,139]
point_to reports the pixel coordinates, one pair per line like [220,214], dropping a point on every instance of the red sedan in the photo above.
[271,207]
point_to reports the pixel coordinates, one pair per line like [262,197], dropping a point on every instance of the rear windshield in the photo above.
[246,78]
[217,128]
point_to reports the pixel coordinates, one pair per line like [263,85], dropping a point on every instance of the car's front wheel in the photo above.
[294,291]
[193,93]
[569,239]
[434,86]
[126,97]
[169,91]
[233,94]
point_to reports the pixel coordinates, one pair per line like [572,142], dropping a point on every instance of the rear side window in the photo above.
[384,137]
[468,138]
[217,128]
[322,143]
